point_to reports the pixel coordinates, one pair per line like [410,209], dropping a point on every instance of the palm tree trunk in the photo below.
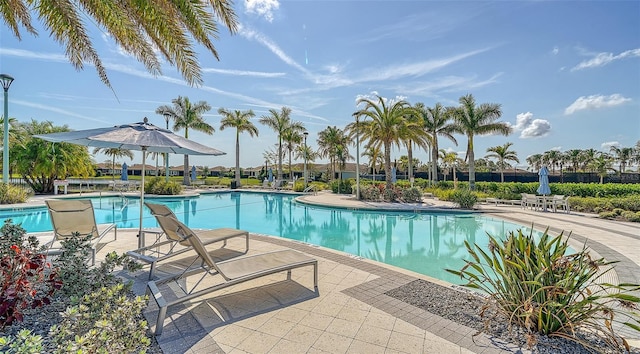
[237,158]
[185,179]
[472,165]
[410,154]
[290,171]
[434,159]
[387,164]
[279,174]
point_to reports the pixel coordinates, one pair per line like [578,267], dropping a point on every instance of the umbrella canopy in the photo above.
[543,177]
[124,175]
[142,136]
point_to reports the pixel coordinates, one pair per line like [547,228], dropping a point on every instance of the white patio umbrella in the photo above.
[142,136]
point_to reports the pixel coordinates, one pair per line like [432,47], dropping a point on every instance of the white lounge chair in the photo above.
[228,273]
[175,244]
[560,201]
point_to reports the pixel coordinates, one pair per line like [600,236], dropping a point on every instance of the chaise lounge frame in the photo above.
[233,271]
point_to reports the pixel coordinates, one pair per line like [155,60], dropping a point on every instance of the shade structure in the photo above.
[543,177]
[142,136]
[124,175]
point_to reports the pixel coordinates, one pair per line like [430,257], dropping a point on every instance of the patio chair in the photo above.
[530,201]
[71,217]
[229,272]
[560,201]
[175,244]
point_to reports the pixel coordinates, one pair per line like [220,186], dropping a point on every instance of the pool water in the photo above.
[425,243]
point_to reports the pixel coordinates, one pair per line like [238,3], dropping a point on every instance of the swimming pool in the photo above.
[425,243]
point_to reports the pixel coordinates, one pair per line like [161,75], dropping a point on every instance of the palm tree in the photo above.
[241,120]
[279,121]
[474,120]
[438,121]
[535,161]
[573,157]
[602,164]
[412,134]
[587,157]
[372,151]
[305,153]
[328,141]
[623,155]
[502,153]
[293,137]
[387,125]
[449,161]
[114,152]
[187,116]
[145,29]
[552,158]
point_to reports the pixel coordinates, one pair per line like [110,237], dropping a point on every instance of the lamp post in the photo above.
[167,116]
[305,160]
[357,115]
[6,82]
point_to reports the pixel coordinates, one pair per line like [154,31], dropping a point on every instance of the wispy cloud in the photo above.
[262,8]
[242,73]
[57,110]
[595,102]
[555,50]
[602,59]
[531,128]
[608,144]
[26,54]
[445,84]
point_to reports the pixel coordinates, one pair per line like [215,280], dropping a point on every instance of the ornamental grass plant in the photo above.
[543,288]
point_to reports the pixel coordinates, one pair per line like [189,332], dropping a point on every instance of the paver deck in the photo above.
[351,313]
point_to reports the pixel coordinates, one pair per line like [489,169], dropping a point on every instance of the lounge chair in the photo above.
[175,244]
[76,216]
[530,201]
[560,201]
[230,272]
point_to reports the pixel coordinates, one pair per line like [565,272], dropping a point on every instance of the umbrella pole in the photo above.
[140,234]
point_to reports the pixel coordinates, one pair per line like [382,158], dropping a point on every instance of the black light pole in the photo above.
[6,82]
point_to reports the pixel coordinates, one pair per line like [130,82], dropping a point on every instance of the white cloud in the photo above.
[263,8]
[531,128]
[608,144]
[595,102]
[555,50]
[602,59]
[242,73]
[556,148]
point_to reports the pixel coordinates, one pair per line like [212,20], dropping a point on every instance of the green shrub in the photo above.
[464,198]
[544,290]
[77,278]
[370,192]
[412,195]
[11,194]
[23,343]
[298,186]
[105,321]
[630,216]
[444,194]
[391,194]
[160,186]
[341,186]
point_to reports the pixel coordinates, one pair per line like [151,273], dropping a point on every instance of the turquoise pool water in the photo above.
[426,243]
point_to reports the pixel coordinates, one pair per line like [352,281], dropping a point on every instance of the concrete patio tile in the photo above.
[291,314]
[344,327]
[255,322]
[405,342]
[288,346]
[380,320]
[333,343]
[407,328]
[374,335]
[358,346]
[276,327]
[317,321]
[233,335]
[258,343]
[304,335]
[352,314]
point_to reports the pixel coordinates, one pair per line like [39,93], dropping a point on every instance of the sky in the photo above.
[566,73]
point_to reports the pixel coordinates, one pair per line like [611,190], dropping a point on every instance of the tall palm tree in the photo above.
[535,161]
[187,115]
[145,29]
[587,157]
[438,121]
[328,141]
[502,153]
[114,152]
[412,134]
[293,137]
[449,161]
[622,155]
[241,120]
[573,157]
[602,164]
[552,158]
[387,124]
[279,121]
[472,120]
[305,153]
[374,153]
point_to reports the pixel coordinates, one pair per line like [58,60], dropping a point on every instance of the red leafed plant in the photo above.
[26,280]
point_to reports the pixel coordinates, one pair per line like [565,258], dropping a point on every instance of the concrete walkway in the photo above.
[351,313]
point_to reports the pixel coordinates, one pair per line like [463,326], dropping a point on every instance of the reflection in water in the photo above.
[424,243]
